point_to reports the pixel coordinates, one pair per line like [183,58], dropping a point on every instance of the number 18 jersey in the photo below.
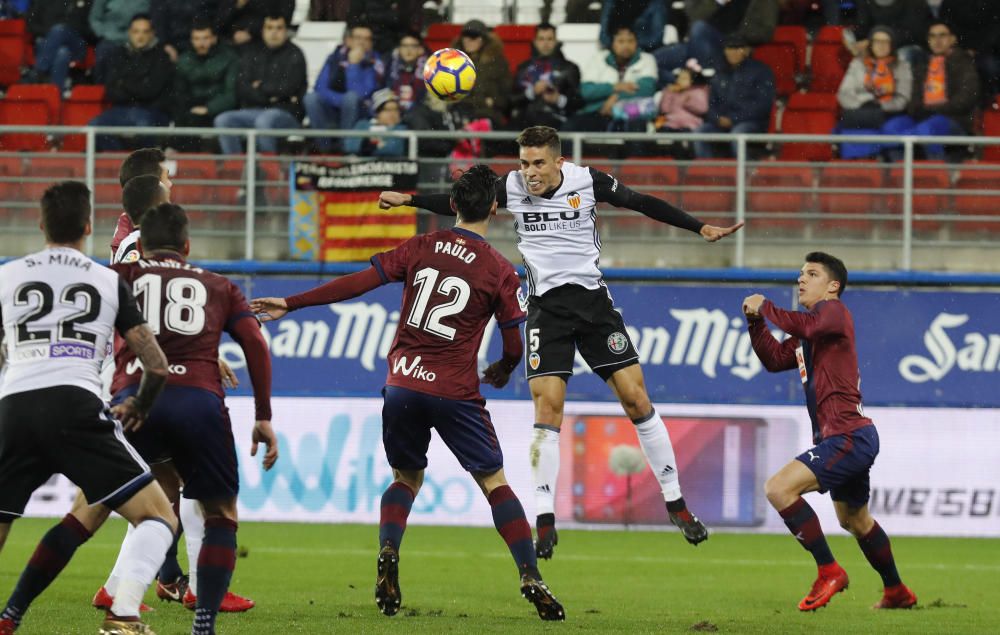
[454,282]
[187,309]
[59,312]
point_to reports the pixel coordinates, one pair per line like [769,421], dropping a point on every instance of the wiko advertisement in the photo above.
[915,348]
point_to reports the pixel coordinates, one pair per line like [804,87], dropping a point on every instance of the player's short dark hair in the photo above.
[834,267]
[142,16]
[545,26]
[140,194]
[277,16]
[474,193]
[142,161]
[164,227]
[65,212]
[540,136]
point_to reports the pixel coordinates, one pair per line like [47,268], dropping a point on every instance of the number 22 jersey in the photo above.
[454,282]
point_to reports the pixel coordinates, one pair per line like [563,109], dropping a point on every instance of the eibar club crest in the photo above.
[573,198]
[617,342]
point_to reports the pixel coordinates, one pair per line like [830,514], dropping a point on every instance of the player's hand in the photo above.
[269,309]
[393,199]
[129,414]
[263,433]
[229,379]
[711,233]
[496,375]
[751,305]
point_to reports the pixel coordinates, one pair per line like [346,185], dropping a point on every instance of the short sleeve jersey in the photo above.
[59,312]
[188,309]
[454,282]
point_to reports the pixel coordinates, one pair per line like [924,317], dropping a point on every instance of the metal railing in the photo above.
[257,192]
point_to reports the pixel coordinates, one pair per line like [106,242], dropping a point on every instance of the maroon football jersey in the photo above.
[187,309]
[454,282]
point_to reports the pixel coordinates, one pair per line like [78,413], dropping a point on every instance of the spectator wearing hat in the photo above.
[405,71]
[343,90]
[740,97]
[547,86]
[976,24]
[491,97]
[624,72]
[876,87]
[647,18]
[908,19]
[711,22]
[388,116]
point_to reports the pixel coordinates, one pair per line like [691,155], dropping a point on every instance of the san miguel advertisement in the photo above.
[915,348]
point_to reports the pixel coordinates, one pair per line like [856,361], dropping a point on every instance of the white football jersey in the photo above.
[128,249]
[557,235]
[59,311]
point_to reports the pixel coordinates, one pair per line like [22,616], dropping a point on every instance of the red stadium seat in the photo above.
[972,201]
[860,182]
[84,103]
[927,176]
[780,57]
[188,190]
[441,35]
[658,178]
[829,63]
[991,128]
[710,191]
[14,47]
[798,38]
[762,198]
[517,40]
[807,122]
[11,171]
[830,34]
[24,113]
[47,93]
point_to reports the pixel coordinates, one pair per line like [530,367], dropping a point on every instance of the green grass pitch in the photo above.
[320,578]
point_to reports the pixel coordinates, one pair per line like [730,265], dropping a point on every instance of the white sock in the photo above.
[655,443]
[544,459]
[111,586]
[142,559]
[193,521]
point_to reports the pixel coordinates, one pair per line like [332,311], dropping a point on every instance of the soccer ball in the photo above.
[449,74]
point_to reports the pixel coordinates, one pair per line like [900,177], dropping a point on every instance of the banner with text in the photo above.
[334,209]
[930,478]
[915,348]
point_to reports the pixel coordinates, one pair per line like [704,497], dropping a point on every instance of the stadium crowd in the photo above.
[916,67]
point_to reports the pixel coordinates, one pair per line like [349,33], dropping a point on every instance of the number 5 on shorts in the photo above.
[533,340]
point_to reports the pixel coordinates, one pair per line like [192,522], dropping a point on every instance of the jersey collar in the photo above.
[165,254]
[552,192]
[467,233]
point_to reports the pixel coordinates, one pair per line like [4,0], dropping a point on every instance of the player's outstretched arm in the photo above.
[436,203]
[343,288]
[269,309]
[141,341]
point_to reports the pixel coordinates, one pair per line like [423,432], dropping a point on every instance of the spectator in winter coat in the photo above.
[138,85]
[242,21]
[490,99]
[945,93]
[624,72]
[205,82]
[269,88]
[110,21]
[976,24]
[740,97]
[62,31]
[405,72]
[547,86]
[876,87]
[343,90]
[388,116]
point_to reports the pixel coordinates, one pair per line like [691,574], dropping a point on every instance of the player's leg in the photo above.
[784,491]
[406,434]
[216,560]
[170,581]
[630,388]
[548,393]
[513,527]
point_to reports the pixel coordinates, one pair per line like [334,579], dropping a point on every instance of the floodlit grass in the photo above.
[320,579]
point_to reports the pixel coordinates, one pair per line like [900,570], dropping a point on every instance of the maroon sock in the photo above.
[875,545]
[801,520]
